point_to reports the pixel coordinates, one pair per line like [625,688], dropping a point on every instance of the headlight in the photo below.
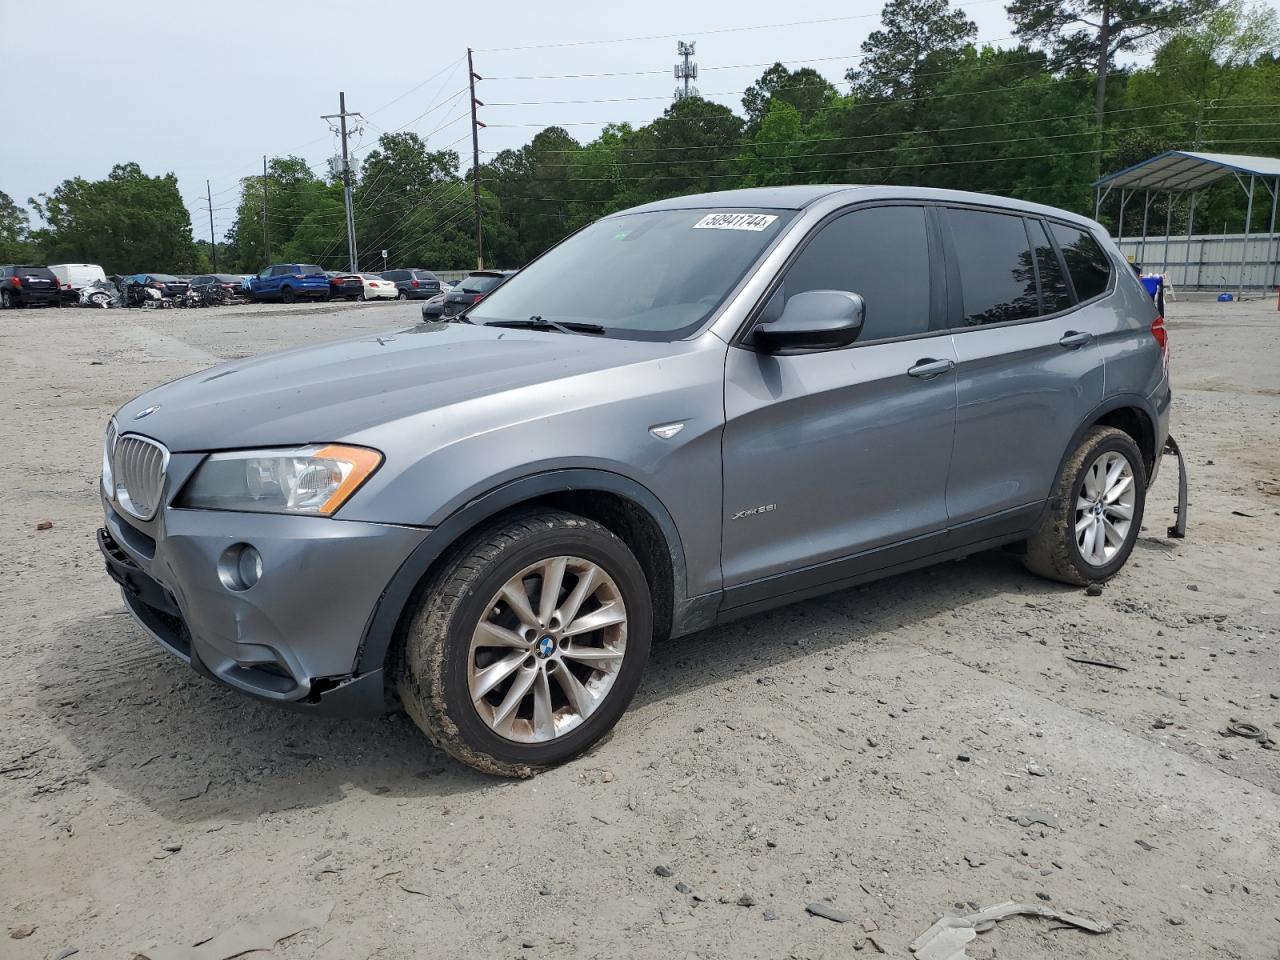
[307,480]
[108,449]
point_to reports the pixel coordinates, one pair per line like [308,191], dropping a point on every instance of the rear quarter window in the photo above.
[1088,265]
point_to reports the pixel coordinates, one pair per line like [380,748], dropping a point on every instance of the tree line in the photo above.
[925,105]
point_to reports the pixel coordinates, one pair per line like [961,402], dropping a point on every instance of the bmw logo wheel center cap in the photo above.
[545,647]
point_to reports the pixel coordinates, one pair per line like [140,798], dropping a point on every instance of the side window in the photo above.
[1055,295]
[279,270]
[1089,267]
[997,281]
[883,255]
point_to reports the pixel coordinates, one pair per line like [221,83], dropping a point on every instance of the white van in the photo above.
[77,275]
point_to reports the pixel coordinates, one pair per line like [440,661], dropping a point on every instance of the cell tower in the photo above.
[686,70]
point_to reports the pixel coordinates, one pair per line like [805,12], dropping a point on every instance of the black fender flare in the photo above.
[381,628]
[1118,402]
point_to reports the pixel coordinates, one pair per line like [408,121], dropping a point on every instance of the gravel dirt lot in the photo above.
[872,749]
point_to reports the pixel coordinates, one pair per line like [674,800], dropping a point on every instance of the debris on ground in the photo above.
[828,912]
[663,870]
[1096,663]
[1028,818]
[1249,731]
[947,938]
[261,933]
[22,932]
[44,525]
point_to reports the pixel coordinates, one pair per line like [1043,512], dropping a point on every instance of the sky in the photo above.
[203,91]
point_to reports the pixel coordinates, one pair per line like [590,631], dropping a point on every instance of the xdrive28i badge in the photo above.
[755,511]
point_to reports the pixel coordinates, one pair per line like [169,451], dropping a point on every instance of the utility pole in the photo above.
[213,240]
[266,230]
[686,70]
[475,158]
[341,117]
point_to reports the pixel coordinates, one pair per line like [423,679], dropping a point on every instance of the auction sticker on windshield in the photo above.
[735,221]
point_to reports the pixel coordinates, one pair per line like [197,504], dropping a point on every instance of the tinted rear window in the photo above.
[423,275]
[996,275]
[163,277]
[43,273]
[479,284]
[1055,295]
[309,268]
[1089,267]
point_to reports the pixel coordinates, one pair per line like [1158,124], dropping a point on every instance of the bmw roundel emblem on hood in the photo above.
[146,413]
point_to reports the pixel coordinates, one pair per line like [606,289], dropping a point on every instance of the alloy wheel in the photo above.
[1104,508]
[548,650]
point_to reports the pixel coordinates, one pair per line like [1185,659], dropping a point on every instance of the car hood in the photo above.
[333,391]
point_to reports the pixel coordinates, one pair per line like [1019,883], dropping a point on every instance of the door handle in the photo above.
[1073,339]
[928,368]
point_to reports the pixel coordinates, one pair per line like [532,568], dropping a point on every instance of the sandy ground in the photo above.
[852,750]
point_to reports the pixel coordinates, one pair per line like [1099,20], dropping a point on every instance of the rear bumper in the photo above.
[28,296]
[294,636]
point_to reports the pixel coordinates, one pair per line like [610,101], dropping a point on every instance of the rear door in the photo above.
[1029,371]
[835,462]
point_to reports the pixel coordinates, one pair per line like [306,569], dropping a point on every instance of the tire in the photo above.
[1055,550]
[438,662]
[287,295]
[361,297]
[402,295]
[6,300]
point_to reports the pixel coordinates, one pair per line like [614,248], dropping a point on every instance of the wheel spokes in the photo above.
[529,681]
[607,615]
[484,680]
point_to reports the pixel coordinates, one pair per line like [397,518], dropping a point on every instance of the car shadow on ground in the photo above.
[191,750]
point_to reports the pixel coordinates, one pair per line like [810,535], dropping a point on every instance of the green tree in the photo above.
[909,55]
[127,223]
[805,89]
[302,213]
[14,230]
[1084,34]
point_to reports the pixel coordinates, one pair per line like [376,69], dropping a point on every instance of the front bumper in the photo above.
[292,638]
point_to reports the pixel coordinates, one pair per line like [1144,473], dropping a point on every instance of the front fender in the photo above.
[380,632]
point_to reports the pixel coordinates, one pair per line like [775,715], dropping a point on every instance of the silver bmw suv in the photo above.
[684,413]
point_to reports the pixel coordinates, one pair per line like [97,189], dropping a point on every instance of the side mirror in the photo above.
[813,320]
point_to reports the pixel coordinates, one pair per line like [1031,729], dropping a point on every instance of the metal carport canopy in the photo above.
[1182,170]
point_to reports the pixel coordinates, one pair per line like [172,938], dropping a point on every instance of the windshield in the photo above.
[655,275]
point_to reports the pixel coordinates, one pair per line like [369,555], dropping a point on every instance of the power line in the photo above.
[712,32]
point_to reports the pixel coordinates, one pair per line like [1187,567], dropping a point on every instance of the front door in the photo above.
[835,462]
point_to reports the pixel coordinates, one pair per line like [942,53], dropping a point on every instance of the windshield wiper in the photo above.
[536,322]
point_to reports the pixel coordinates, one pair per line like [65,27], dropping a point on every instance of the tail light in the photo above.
[17,281]
[415,284]
[1161,334]
[477,298]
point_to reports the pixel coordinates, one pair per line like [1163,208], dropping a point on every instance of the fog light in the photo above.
[240,567]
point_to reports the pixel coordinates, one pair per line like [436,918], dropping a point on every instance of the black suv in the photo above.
[21,285]
[413,284]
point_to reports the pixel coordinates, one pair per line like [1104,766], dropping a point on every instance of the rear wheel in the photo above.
[6,300]
[1095,512]
[287,295]
[361,297]
[402,295]
[528,647]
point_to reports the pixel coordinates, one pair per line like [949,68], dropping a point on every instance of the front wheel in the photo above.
[1095,511]
[402,295]
[528,647]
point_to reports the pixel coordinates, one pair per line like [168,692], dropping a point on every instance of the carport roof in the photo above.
[1184,170]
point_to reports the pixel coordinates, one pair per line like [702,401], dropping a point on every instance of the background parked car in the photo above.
[433,309]
[23,285]
[166,285]
[473,288]
[348,286]
[415,284]
[217,287]
[74,277]
[376,288]
[288,282]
